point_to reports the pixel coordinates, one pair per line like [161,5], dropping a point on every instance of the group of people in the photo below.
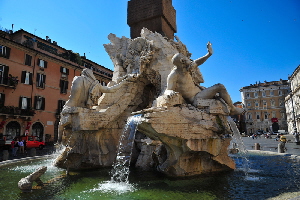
[18,145]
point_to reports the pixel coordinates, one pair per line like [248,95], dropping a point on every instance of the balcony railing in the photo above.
[16,111]
[10,81]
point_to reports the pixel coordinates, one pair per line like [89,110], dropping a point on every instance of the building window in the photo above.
[2,100]
[257,116]
[26,78]
[264,104]
[4,74]
[280,102]
[247,95]
[25,103]
[263,93]
[4,51]
[40,80]
[282,115]
[249,116]
[256,104]
[64,72]
[63,86]
[271,93]
[266,115]
[249,104]
[272,102]
[255,94]
[28,59]
[39,103]
[273,114]
[279,93]
[41,63]
[61,104]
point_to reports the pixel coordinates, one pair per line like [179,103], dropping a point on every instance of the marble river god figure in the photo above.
[185,79]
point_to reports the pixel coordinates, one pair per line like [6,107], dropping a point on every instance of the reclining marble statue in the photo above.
[183,125]
[86,89]
[185,79]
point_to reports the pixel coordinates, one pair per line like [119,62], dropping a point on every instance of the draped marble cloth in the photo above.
[91,84]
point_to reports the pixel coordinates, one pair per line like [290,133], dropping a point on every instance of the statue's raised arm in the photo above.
[201,60]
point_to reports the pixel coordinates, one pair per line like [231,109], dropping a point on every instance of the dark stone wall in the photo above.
[156,15]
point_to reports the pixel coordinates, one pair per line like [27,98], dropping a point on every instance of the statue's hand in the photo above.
[209,48]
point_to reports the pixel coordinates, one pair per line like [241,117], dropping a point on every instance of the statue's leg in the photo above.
[210,92]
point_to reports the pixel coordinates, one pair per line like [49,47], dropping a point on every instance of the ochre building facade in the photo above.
[35,81]
[265,106]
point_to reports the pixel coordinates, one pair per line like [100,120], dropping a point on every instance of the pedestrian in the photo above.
[12,146]
[21,146]
[296,135]
[16,148]
[282,142]
[25,146]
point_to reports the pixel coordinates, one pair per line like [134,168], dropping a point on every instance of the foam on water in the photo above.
[114,187]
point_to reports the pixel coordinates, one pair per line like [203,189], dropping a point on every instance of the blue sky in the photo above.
[253,40]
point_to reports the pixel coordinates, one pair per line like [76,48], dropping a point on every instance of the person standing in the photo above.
[12,146]
[21,146]
[282,142]
[25,146]
[16,148]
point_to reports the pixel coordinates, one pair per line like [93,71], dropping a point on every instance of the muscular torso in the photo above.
[181,81]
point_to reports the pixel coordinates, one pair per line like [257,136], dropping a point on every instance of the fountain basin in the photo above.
[268,176]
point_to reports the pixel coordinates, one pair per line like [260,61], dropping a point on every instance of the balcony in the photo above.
[11,111]
[10,81]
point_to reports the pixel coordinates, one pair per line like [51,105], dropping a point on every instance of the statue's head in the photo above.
[181,60]
[88,73]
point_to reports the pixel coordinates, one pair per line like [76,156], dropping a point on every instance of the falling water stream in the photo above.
[237,139]
[120,170]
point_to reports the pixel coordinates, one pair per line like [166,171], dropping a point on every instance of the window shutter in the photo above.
[37,78]
[43,104]
[38,62]
[35,102]
[2,99]
[30,78]
[29,60]
[23,76]
[29,103]
[67,71]
[7,52]
[61,86]
[59,105]
[66,86]
[45,64]
[5,74]
[44,79]
[61,69]
[20,102]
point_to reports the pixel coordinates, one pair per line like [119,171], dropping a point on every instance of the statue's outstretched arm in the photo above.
[129,78]
[201,60]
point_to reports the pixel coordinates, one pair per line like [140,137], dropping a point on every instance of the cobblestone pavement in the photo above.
[272,144]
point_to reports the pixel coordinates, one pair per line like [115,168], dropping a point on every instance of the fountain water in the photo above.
[237,139]
[120,170]
[237,135]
